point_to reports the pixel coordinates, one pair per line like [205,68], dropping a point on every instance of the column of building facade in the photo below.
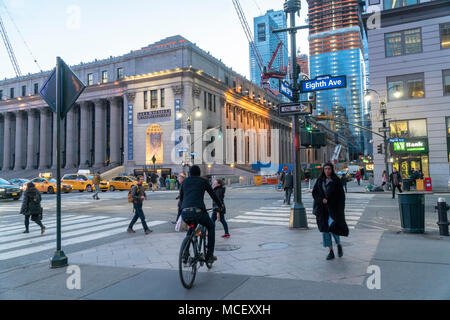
[44,138]
[31,138]
[84,134]
[115,130]
[70,139]
[100,133]
[19,150]
[6,144]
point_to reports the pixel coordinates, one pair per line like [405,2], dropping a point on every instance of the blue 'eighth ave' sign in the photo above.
[323,83]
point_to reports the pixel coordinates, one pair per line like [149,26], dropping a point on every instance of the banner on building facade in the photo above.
[130,133]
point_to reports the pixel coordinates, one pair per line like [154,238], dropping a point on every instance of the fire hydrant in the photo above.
[443,223]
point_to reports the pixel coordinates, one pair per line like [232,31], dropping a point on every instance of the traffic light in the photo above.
[380,148]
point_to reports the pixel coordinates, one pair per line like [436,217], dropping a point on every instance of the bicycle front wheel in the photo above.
[187,263]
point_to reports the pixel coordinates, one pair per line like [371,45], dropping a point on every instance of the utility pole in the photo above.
[298,213]
[383,113]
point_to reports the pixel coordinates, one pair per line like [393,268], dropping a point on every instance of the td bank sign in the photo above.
[410,146]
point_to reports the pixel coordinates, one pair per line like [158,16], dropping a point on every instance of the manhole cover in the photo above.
[274,245]
[227,247]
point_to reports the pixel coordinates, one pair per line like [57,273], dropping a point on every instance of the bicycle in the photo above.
[192,253]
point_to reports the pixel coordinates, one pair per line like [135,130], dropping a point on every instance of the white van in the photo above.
[352,170]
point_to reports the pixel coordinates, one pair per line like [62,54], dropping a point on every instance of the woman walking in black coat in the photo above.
[329,206]
[31,207]
[219,190]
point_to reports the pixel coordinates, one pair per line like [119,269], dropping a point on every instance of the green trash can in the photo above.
[412,212]
[172,184]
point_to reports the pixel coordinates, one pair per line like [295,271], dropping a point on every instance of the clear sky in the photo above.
[84,30]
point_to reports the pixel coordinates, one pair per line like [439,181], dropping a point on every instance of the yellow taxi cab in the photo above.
[104,184]
[80,182]
[49,185]
[124,183]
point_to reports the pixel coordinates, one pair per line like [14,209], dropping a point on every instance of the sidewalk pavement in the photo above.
[268,262]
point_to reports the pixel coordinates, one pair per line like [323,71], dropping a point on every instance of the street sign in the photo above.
[286,90]
[289,109]
[387,129]
[393,140]
[72,87]
[323,83]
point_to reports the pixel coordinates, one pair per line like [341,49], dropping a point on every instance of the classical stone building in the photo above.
[131,109]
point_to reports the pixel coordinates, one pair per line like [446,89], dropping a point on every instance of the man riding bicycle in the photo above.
[193,207]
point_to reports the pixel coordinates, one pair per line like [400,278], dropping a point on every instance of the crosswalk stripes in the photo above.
[279,214]
[75,229]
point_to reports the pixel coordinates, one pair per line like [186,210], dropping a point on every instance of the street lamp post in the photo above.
[180,114]
[383,110]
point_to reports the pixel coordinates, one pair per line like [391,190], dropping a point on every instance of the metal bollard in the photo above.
[443,223]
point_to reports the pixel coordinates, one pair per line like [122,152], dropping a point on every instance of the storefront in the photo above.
[409,155]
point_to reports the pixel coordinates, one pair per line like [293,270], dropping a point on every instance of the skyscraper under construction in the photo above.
[337,45]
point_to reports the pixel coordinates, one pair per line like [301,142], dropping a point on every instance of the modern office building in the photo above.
[337,48]
[303,62]
[266,42]
[133,109]
[409,57]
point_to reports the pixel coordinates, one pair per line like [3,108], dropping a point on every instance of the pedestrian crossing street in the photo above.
[76,229]
[279,214]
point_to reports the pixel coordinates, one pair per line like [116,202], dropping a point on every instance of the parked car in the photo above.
[49,186]
[22,183]
[9,191]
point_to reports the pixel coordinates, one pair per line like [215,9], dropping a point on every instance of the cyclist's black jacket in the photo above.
[192,193]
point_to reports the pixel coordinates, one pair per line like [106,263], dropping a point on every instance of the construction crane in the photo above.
[9,49]
[267,72]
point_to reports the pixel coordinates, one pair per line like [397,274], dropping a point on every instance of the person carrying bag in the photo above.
[31,207]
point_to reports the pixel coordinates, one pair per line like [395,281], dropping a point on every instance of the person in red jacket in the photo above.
[358,177]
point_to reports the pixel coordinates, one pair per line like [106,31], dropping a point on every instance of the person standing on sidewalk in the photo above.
[396,180]
[31,207]
[288,185]
[96,182]
[344,182]
[358,177]
[138,195]
[383,178]
[329,209]
[219,190]
[180,180]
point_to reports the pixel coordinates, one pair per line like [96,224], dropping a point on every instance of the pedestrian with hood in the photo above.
[31,207]
[219,190]
[329,209]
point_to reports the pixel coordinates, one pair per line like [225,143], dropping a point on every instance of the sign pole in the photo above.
[298,212]
[59,259]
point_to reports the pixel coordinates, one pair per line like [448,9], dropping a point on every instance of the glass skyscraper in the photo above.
[337,39]
[267,43]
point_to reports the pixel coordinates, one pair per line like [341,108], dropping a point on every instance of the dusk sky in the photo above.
[82,30]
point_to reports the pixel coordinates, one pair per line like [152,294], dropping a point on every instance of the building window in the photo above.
[226,80]
[119,73]
[391,4]
[444,30]
[210,101]
[24,91]
[90,79]
[145,99]
[409,128]
[1,95]
[163,99]
[403,42]
[234,113]
[104,76]
[11,93]
[405,87]
[261,32]
[36,88]
[154,99]
[373,2]
[446,81]
[214,103]
[205,101]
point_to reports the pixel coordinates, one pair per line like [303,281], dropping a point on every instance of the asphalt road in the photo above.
[89,223]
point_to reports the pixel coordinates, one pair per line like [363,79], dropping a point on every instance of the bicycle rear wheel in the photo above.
[187,263]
